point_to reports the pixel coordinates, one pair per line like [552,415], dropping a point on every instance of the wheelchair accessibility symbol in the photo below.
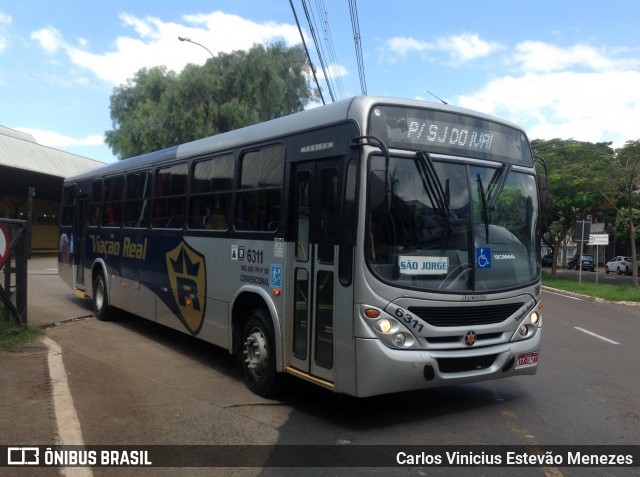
[483,257]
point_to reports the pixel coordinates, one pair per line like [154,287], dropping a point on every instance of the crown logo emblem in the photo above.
[188,278]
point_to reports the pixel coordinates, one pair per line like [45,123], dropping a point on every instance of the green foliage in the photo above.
[621,228]
[159,108]
[602,291]
[12,335]
[575,183]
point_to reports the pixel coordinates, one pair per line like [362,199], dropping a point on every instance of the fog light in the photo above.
[523,330]
[534,318]
[399,340]
[383,325]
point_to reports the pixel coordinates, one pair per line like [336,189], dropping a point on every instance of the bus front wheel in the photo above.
[100,298]
[258,357]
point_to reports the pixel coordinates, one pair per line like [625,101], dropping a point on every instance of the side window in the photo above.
[211,193]
[96,203]
[328,214]
[259,195]
[68,204]
[138,193]
[112,205]
[170,202]
[348,223]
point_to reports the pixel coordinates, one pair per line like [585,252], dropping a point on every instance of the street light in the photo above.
[181,38]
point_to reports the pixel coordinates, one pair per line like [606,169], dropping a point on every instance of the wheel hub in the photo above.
[255,351]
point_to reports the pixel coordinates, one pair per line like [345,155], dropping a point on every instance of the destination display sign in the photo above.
[450,133]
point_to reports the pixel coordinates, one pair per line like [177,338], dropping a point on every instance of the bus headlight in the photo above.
[528,327]
[384,325]
[534,318]
[388,329]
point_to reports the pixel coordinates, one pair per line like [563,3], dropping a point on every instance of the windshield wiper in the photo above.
[485,210]
[437,195]
[496,186]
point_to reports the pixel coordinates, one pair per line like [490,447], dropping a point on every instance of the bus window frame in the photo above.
[239,191]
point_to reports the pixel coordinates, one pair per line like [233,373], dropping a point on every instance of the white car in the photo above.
[619,264]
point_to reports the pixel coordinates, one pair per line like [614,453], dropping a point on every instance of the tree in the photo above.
[622,177]
[574,189]
[621,228]
[159,108]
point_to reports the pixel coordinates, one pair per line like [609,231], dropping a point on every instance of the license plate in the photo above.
[529,359]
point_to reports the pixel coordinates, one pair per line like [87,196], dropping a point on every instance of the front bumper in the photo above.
[382,370]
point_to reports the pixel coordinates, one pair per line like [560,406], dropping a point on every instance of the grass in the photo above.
[12,335]
[596,290]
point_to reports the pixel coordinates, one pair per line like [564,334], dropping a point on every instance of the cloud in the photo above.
[536,56]
[5,20]
[335,70]
[587,106]
[155,42]
[466,47]
[460,48]
[59,141]
[403,45]
[50,39]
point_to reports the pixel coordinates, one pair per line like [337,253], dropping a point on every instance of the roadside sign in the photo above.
[4,245]
[599,239]
[582,231]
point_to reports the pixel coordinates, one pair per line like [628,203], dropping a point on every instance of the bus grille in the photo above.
[460,365]
[471,316]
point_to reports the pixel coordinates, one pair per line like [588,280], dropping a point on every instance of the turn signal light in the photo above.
[371,313]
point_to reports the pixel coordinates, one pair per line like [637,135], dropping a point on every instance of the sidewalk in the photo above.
[26,415]
[50,300]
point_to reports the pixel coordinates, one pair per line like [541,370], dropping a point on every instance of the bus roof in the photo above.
[333,113]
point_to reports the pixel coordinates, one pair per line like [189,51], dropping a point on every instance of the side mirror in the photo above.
[543,182]
[543,189]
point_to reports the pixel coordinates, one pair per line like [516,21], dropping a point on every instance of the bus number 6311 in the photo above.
[409,320]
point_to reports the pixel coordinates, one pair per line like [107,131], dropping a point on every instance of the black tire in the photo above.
[101,306]
[619,272]
[606,270]
[258,355]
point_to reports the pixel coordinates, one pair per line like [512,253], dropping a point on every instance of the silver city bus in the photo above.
[370,246]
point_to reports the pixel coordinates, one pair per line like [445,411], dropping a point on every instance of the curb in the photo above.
[588,297]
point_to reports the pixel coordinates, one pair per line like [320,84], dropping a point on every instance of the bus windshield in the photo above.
[438,225]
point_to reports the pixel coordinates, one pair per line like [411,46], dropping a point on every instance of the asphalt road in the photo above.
[136,383]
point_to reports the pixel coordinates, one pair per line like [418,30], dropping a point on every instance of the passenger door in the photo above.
[80,226]
[316,220]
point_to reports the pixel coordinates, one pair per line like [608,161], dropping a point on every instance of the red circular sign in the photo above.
[4,245]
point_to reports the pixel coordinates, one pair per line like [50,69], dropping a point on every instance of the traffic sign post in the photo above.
[5,245]
[597,240]
[581,234]
[13,264]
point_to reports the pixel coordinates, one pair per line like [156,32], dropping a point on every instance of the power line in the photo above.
[335,71]
[318,48]
[313,70]
[355,26]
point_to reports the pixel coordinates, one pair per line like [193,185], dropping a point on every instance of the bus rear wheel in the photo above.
[258,355]
[100,298]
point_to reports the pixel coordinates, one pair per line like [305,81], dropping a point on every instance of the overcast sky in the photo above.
[568,69]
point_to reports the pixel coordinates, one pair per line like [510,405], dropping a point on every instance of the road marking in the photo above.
[69,432]
[563,295]
[596,335]
[515,425]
